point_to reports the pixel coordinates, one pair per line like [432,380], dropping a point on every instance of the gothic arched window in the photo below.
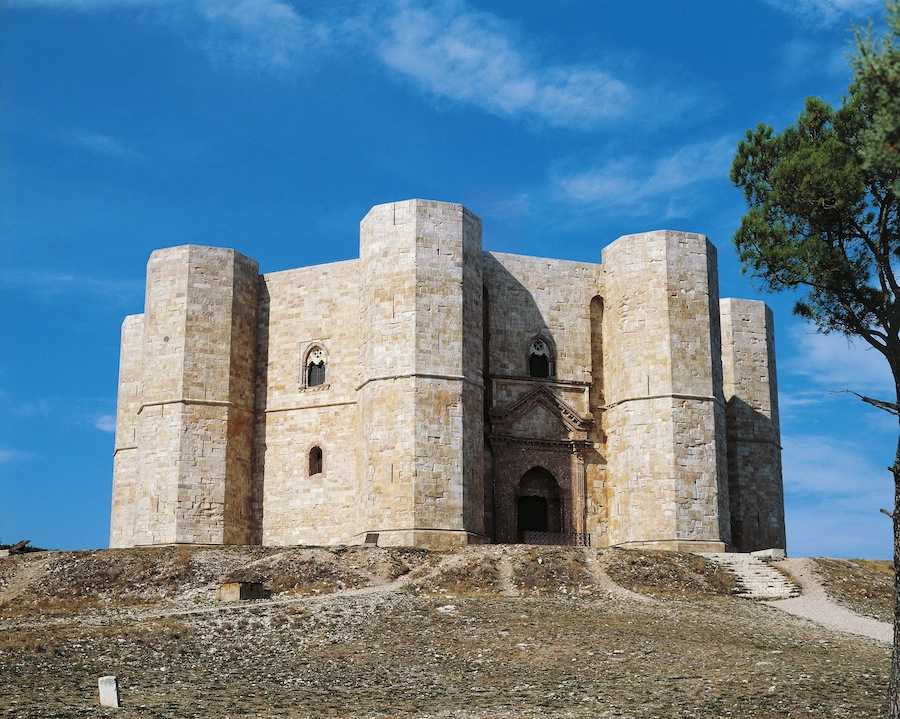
[315,461]
[315,366]
[540,359]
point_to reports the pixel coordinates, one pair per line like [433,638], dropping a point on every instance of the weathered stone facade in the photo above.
[439,395]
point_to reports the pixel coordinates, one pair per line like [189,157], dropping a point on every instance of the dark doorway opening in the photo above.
[538,505]
[532,514]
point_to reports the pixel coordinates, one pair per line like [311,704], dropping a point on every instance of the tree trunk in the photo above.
[895,655]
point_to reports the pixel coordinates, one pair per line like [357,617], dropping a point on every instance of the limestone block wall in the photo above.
[425,340]
[421,327]
[754,437]
[194,425]
[299,309]
[126,462]
[664,416]
[530,296]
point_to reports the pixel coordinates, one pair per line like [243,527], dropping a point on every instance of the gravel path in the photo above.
[815,605]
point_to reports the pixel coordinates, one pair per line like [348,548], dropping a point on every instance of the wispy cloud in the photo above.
[261,33]
[13,455]
[631,183]
[454,52]
[87,5]
[801,59]
[834,362]
[270,34]
[49,285]
[834,489]
[826,12]
[101,144]
[446,48]
[818,465]
[105,423]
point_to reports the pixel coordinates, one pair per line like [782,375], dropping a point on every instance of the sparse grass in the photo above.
[545,653]
[550,570]
[866,586]
[668,574]
[51,637]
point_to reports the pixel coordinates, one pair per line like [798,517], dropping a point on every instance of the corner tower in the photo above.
[192,424]
[754,438]
[664,412]
[421,390]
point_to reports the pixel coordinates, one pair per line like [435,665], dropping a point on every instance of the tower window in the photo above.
[315,461]
[315,366]
[540,359]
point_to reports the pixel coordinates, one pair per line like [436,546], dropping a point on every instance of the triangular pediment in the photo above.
[539,422]
[540,413]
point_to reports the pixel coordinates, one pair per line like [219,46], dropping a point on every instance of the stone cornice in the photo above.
[423,375]
[570,445]
[189,400]
[694,397]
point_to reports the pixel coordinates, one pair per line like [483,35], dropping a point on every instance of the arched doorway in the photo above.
[538,505]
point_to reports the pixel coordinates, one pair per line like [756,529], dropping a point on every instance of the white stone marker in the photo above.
[109,691]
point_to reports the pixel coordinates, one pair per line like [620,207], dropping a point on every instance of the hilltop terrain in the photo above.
[497,631]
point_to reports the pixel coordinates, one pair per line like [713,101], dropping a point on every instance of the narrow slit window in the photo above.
[315,461]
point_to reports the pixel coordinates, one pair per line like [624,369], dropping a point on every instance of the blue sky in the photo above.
[273,125]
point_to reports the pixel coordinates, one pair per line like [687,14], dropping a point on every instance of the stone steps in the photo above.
[755,578]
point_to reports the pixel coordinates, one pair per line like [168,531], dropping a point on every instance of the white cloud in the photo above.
[834,362]
[825,465]
[105,423]
[834,489]
[89,5]
[270,34]
[264,33]
[446,48]
[101,144]
[49,285]
[801,59]
[12,455]
[826,12]
[831,530]
[454,52]
[794,401]
[630,182]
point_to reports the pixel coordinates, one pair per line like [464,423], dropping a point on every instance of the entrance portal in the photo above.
[538,506]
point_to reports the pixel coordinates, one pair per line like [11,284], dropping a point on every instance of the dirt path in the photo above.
[28,573]
[605,582]
[507,582]
[815,605]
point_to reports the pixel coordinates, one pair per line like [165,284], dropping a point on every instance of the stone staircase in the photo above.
[755,578]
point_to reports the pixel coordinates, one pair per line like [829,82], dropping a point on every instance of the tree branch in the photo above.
[889,407]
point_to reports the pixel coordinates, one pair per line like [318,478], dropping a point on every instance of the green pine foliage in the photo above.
[823,215]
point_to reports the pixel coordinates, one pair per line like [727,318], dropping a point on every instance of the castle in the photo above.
[438,395]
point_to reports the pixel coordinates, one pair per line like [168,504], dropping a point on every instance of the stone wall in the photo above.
[194,425]
[425,342]
[126,458]
[754,438]
[665,414]
[421,429]
[301,309]
[536,297]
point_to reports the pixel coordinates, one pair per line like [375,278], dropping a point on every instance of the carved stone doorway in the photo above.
[538,504]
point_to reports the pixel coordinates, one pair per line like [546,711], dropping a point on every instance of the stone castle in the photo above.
[438,395]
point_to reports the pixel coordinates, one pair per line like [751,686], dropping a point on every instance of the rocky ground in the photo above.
[365,632]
